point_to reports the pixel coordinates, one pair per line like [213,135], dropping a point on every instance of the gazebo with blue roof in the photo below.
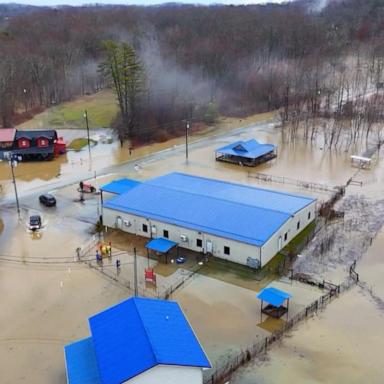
[249,153]
[140,340]
[275,299]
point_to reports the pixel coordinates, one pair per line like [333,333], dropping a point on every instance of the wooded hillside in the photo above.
[236,59]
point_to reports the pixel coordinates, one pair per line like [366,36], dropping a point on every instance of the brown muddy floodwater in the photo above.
[343,344]
[47,297]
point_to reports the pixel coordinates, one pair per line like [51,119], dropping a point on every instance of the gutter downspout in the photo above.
[102,203]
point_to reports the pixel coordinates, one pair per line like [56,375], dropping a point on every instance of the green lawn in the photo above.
[273,264]
[101,108]
[80,143]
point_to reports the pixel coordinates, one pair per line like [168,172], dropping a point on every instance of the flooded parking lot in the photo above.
[50,295]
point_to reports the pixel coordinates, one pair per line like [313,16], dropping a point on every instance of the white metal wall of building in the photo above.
[167,374]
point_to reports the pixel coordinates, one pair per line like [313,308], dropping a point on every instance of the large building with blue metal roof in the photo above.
[239,223]
[137,341]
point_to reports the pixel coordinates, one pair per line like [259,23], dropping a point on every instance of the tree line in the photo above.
[191,61]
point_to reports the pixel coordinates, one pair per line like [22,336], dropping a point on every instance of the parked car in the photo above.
[47,200]
[34,222]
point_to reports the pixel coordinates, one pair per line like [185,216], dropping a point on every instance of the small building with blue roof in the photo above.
[249,153]
[137,341]
[239,223]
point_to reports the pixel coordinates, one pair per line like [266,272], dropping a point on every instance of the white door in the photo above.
[280,243]
[119,222]
[208,246]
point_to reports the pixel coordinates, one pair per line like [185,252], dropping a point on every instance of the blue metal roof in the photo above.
[81,363]
[239,212]
[250,149]
[241,222]
[120,186]
[253,196]
[273,296]
[160,244]
[140,333]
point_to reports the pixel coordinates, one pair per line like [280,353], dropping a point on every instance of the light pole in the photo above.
[135,273]
[89,142]
[13,160]
[25,100]
[186,139]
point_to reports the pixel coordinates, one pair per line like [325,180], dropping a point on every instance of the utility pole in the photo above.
[135,271]
[13,163]
[89,141]
[186,139]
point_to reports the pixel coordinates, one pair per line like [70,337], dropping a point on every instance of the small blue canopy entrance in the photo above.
[161,245]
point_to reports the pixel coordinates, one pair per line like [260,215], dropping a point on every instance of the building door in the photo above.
[208,246]
[119,222]
[280,243]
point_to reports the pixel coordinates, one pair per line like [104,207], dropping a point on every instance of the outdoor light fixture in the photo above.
[85,115]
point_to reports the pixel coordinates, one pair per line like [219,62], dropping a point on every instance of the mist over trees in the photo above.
[197,60]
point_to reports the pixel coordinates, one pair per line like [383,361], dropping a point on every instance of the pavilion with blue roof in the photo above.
[136,337]
[249,153]
[275,299]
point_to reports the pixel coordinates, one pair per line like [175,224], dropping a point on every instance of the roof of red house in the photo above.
[7,134]
[50,134]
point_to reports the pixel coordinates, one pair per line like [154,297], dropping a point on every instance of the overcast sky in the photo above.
[139,2]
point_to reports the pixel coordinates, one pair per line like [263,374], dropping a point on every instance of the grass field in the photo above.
[101,108]
[80,143]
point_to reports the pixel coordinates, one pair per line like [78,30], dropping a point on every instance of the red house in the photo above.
[31,145]
[7,138]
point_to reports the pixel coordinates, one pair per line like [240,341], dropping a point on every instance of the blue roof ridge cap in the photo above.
[242,185]
[153,349]
[141,322]
[188,225]
[220,198]
[135,299]
[244,144]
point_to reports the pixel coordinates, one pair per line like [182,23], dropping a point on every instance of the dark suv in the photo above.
[34,222]
[47,200]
